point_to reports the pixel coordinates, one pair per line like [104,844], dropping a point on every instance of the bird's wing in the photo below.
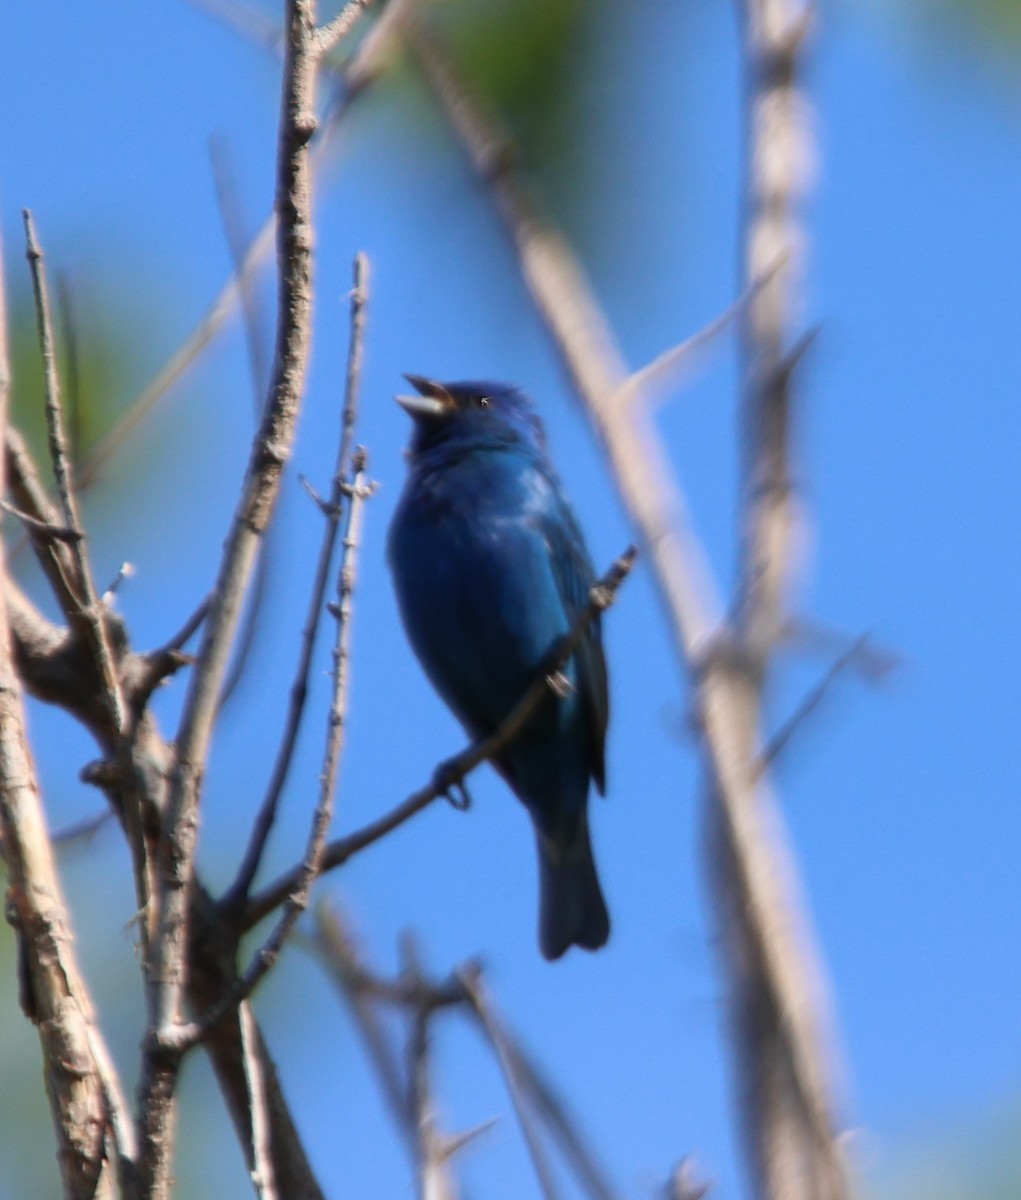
[575,575]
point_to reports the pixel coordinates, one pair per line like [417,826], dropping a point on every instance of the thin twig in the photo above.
[435,1181]
[59,455]
[542,1097]
[414,994]
[82,831]
[69,333]
[46,531]
[330,35]
[451,773]
[238,892]
[53,555]
[243,19]
[335,947]
[356,350]
[262,1168]
[230,216]
[92,613]
[479,1002]
[810,702]
[311,866]
[874,662]
[667,369]
[188,630]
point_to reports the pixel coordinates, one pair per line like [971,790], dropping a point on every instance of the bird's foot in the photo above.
[560,685]
[450,784]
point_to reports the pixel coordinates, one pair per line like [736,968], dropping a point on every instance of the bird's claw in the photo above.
[560,685]
[451,786]
[458,796]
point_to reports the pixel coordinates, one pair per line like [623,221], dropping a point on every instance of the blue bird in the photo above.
[491,569]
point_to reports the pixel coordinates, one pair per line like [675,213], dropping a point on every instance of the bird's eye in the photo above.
[483,401]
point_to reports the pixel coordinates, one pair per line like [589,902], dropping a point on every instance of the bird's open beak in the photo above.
[433,399]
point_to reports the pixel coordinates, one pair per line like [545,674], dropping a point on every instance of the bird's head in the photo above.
[471,412]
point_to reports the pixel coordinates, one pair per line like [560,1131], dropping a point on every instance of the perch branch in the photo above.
[451,774]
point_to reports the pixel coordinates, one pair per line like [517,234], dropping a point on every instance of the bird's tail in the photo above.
[572,910]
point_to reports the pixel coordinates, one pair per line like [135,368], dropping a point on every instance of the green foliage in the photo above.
[994,18]
[980,1162]
[991,25]
[522,57]
[98,352]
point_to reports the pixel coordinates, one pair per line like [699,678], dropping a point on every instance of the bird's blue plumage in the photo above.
[491,570]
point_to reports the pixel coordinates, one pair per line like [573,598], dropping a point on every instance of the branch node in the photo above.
[102,773]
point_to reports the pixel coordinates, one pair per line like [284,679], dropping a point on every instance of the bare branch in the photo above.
[435,1181]
[270,450]
[185,1036]
[297,901]
[244,19]
[415,994]
[53,670]
[69,333]
[59,455]
[262,1170]
[509,1065]
[451,774]
[787,1076]
[537,1092]
[212,971]
[188,630]
[816,695]
[91,613]
[85,1095]
[667,369]
[238,892]
[53,554]
[873,661]
[408,1093]
[47,532]
[230,215]
[330,35]
[82,831]
[336,950]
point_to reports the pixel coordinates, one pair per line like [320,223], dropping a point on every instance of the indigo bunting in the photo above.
[491,570]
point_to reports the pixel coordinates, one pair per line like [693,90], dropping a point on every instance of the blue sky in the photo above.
[902,801]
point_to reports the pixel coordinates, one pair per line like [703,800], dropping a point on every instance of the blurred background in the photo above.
[903,800]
